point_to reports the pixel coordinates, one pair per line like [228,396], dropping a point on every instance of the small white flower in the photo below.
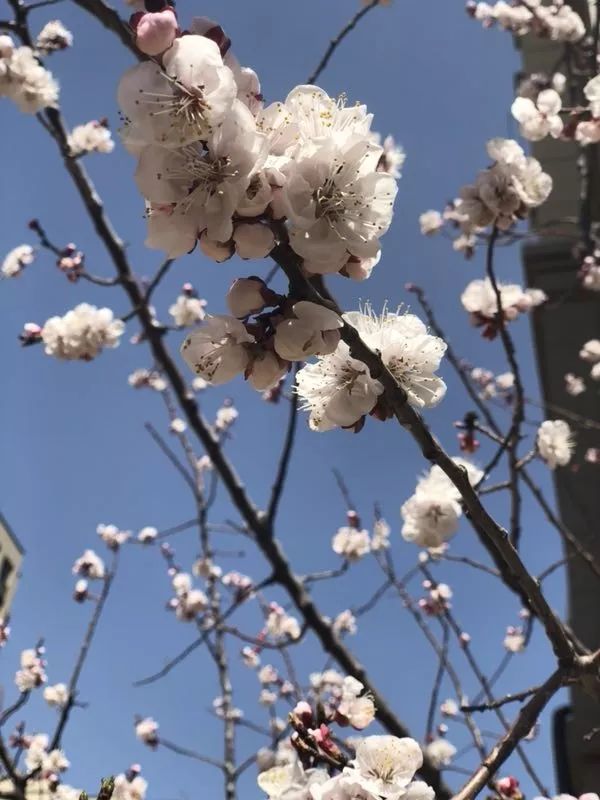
[555,442]
[540,118]
[16,261]
[357,708]
[53,36]
[380,539]
[146,731]
[590,351]
[351,543]
[345,622]
[440,752]
[187,310]
[449,708]
[147,534]
[89,565]
[592,92]
[112,537]
[514,641]
[57,695]
[431,222]
[91,137]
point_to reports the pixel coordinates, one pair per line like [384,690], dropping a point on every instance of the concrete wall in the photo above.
[571,318]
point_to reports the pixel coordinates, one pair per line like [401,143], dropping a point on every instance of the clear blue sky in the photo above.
[74,450]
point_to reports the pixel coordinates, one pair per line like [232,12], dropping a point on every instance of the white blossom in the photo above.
[351,543]
[91,137]
[574,385]
[590,351]
[440,752]
[188,602]
[539,118]
[187,310]
[182,103]
[514,641]
[146,731]
[430,222]
[357,708]
[202,185]
[82,333]
[25,81]
[384,768]
[130,787]
[16,261]
[345,622]
[555,442]
[280,625]
[89,565]
[112,537]
[218,350]
[505,191]
[432,513]
[336,202]
[32,674]
[592,92]
[53,36]
[57,695]
[380,539]
[338,389]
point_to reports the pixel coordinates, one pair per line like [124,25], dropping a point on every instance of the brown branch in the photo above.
[83,654]
[496,537]
[502,701]
[286,454]
[525,721]
[108,17]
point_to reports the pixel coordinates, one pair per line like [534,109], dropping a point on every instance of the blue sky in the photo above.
[75,452]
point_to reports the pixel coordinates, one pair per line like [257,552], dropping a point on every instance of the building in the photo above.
[11,555]
[571,318]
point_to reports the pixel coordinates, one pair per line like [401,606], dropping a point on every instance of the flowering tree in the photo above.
[305,188]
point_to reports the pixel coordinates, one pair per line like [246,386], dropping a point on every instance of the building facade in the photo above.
[11,556]
[570,318]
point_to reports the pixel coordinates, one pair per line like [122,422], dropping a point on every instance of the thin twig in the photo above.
[335,43]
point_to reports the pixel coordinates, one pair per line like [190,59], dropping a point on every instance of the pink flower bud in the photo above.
[155,32]
[253,241]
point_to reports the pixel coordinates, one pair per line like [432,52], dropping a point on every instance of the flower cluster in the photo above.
[481,301]
[217,166]
[384,767]
[82,333]
[556,20]
[32,674]
[92,137]
[504,192]
[338,390]
[590,352]
[261,348]
[24,80]
[432,513]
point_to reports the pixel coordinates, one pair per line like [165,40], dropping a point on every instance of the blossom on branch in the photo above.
[338,389]
[82,333]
